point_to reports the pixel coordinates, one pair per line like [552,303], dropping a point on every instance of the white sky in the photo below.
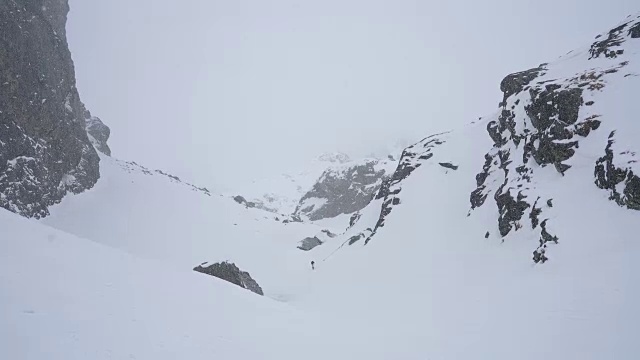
[223,91]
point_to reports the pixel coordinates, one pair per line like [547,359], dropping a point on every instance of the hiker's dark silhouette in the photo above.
[313,265]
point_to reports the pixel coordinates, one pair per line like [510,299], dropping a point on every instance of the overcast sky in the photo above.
[221,91]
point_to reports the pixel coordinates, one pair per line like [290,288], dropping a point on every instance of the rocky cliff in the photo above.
[45,151]
[556,115]
[344,189]
[563,129]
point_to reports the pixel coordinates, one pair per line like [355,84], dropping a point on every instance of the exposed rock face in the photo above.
[550,126]
[387,197]
[448,165]
[614,177]
[309,243]
[514,83]
[242,201]
[133,167]
[44,148]
[412,158]
[320,238]
[253,204]
[343,190]
[230,272]
[543,119]
[98,133]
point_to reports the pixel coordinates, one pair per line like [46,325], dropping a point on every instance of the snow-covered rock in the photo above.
[330,185]
[438,265]
[344,189]
[44,148]
[98,133]
[230,272]
[562,127]
[564,116]
[309,243]
[40,111]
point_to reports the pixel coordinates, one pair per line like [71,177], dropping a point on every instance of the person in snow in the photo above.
[313,265]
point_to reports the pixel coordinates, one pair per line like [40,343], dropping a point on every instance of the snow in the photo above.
[67,180]
[63,297]
[283,193]
[429,275]
[14,161]
[109,273]
[67,104]
[153,216]
[314,203]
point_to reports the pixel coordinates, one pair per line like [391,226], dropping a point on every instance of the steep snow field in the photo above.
[154,216]
[282,193]
[424,287]
[436,281]
[430,276]
[63,297]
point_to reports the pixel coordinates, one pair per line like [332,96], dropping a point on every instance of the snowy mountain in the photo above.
[65,297]
[45,151]
[509,238]
[282,193]
[564,131]
[344,189]
[331,185]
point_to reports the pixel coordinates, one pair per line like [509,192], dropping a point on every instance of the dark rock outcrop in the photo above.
[412,158]
[98,133]
[309,243]
[341,191]
[258,204]
[230,272]
[610,46]
[515,83]
[44,148]
[549,133]
[614,177]
[242,201]
[448,165]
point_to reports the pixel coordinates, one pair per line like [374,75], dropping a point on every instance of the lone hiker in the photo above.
[313,265]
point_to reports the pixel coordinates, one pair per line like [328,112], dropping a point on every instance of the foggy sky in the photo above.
[223,91]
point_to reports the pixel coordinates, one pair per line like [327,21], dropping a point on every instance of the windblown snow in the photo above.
[434,267]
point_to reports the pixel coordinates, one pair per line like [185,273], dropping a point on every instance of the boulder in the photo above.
[230,272]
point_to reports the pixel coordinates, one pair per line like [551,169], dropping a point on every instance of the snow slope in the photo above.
[63,297]
[438,266]
[430,276]
[283,194]
[156,216]
[456,273]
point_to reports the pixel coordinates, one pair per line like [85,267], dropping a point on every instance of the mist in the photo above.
[221,92]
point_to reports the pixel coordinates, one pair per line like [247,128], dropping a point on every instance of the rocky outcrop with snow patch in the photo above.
[387,196]
[547,114]
[44,148]
[258,204]
[310,243]
[133,167]
[98,133]
[230,272]
[564,124]
[344,189]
